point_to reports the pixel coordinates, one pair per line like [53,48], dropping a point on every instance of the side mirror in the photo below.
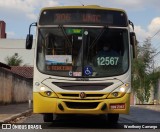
[29,41]
[29,38]
[133,42]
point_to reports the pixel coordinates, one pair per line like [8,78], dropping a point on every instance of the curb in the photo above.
[13,117]
[149,107]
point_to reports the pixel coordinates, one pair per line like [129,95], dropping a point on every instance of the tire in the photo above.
[113,118]
[48,117]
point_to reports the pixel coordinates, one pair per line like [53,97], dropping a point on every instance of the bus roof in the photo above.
[82,7]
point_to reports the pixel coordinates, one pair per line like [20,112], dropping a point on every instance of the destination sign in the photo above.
[83,16]
[59,68]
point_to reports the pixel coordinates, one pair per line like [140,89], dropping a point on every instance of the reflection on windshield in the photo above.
[82,52]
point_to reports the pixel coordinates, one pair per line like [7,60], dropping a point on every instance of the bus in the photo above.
[69,76]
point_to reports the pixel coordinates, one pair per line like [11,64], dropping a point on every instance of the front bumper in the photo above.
[66,106]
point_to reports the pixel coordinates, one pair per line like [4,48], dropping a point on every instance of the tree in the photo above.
[14,60]
[142,71]
[154,77]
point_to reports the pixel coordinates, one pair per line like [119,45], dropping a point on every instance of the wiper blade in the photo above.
[65,35]
[98,36]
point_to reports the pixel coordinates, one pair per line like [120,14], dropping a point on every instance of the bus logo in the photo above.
[82,95]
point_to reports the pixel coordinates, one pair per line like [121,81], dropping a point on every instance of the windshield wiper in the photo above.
[98,36]
[65,35]
[96,39]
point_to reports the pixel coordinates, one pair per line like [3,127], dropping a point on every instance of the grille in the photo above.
[82,86]
[81,105]
[87,95]
[70,95]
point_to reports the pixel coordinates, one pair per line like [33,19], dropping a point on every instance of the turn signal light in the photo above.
[115,94]
[48,93]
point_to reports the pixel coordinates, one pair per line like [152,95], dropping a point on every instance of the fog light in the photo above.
[48,93]
[115,94]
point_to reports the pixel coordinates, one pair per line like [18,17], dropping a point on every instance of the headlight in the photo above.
[122,89]
[47,92]
[119,92]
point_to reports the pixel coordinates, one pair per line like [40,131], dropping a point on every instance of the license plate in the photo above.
[117,106]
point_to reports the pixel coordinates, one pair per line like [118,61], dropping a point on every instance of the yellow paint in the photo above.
[82,7]
[43,104]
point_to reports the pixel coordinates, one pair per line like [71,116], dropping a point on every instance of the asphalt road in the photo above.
[138,117]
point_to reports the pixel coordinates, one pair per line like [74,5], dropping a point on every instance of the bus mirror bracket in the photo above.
[29,38]
[133,42]
[131,23]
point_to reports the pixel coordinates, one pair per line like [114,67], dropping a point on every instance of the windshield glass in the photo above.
[82,52]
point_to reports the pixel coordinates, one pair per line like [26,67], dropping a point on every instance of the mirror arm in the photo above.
[33,24]
[29,38]
[131,23]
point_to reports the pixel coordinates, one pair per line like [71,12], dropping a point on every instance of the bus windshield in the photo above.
[82,51]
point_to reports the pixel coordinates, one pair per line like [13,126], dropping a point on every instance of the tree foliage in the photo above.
[142,71]
[14,60]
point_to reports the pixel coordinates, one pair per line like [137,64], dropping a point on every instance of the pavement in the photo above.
[155,107]
[11,112]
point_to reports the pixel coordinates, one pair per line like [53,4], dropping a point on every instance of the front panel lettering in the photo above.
[62,17]
[59,68]
[101,61]
[91,18]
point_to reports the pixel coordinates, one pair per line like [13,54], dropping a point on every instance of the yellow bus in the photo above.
[71,76]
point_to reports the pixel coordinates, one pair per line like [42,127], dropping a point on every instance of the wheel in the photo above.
[48,117]
[113,118]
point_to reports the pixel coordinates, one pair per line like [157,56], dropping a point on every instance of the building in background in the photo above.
[10,47]
[3,29]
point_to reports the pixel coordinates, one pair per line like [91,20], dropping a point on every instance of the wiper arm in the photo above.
[96,39]
[98,36]
[65,35]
